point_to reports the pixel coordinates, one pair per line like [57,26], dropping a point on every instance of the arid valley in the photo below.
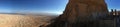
[17,20]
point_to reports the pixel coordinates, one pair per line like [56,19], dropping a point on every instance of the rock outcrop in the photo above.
[83,11]
[80,9]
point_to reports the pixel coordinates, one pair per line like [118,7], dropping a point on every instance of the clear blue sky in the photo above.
[46,6]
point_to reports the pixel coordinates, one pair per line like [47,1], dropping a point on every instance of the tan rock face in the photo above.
[82,10]
[78,13]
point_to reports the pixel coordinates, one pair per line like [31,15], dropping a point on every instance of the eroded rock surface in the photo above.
[83,11]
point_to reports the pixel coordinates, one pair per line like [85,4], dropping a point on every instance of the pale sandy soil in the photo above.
[9,20]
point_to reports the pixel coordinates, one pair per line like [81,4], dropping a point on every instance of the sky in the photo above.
[43,6]
[113,4]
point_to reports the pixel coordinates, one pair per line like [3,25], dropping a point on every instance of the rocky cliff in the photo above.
[81,11]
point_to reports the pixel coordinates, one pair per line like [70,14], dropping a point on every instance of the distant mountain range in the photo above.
[41,14]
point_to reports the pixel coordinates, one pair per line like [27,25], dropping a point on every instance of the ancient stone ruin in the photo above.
[84,13]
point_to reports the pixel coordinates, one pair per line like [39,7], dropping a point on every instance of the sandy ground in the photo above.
[10,20]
